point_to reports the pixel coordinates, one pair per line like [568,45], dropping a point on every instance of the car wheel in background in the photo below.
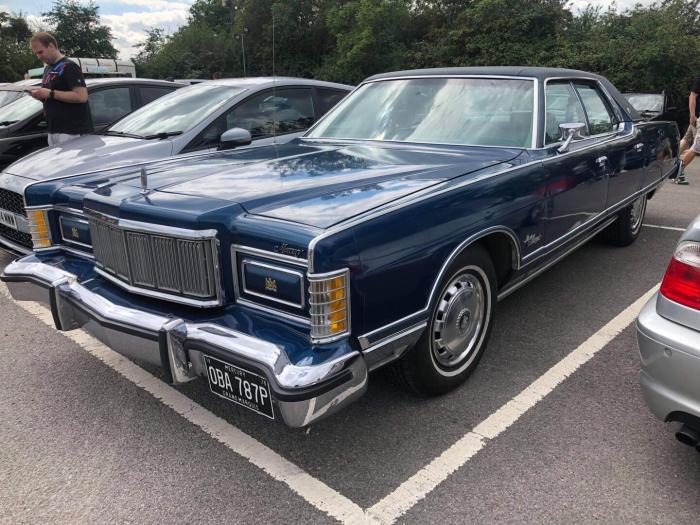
[458,328]
[625,230]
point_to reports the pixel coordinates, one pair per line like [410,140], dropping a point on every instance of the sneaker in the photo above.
[681,180]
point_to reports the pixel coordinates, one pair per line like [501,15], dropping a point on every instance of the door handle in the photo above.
[639,147]
[601,161]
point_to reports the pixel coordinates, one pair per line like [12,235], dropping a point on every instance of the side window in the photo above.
[329,98]
[150,93]
[108,105]
[287,111]
[599,117]
[562,106]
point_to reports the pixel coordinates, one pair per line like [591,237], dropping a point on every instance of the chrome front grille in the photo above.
[11,201]
[157,263]
[14,203]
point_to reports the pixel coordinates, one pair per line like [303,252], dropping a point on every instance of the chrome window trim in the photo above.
[70,241]
[610,101]
[535,109]
[301,305]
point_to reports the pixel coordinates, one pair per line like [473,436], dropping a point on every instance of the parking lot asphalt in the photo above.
[83,443]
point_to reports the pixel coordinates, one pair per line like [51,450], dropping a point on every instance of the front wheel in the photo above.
[458,328]
[625,230]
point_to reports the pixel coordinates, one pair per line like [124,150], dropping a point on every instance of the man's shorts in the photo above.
[696,144]
[689,136]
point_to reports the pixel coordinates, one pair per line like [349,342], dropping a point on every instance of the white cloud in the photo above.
[619,5]
[130,28]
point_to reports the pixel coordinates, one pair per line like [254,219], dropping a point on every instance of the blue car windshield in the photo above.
[468,111]
[178,111]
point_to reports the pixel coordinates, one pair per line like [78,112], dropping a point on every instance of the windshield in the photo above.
[178,111]
[8,96]
[20,109]
[469,111]
[646,102]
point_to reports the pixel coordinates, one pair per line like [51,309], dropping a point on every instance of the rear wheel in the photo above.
[625,230]
[458,328]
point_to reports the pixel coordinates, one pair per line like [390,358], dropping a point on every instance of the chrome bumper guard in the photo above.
[302,394]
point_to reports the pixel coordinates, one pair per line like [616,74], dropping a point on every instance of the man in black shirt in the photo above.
[62,91]
[690,144]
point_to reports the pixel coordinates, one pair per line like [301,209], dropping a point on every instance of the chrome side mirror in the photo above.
[570,131]
[234,138]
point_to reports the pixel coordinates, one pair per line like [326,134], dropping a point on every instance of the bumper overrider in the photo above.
[302,394]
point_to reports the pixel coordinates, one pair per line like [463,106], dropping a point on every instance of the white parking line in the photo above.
[314,491]
[428,478]
[311,489]
[672,228]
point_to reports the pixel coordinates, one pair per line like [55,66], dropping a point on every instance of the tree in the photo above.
[15,55]
[78,30]
[149,48]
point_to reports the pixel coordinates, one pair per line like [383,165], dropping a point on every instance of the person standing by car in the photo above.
[62,91]
[689,146]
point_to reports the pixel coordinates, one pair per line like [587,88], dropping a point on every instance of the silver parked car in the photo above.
[668,332]
[191,120]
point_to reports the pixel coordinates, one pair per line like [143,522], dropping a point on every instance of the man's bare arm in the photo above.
[77,95]
[692,101]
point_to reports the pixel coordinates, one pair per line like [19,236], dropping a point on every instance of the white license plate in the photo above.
[8,219]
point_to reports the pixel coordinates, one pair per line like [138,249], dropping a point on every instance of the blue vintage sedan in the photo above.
[386,235]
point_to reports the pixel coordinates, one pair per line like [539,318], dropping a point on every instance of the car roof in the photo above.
[540,73]
[263,82]
[128,80]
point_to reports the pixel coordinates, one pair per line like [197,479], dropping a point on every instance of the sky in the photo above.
[129,19]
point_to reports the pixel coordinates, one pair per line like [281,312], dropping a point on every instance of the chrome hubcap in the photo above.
[458,320]
[637,213]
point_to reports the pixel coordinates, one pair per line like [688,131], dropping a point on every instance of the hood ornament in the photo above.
[144,181]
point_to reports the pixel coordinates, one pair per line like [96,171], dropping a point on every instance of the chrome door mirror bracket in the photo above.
[569,132]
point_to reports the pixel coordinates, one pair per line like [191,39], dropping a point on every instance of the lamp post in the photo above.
[242,39]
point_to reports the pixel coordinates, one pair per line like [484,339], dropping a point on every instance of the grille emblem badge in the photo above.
[270,284]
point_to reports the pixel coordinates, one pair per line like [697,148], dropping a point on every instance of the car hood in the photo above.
[311,183]
[87,154]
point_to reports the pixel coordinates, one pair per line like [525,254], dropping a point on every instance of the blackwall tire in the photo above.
[625,230]
[458,330]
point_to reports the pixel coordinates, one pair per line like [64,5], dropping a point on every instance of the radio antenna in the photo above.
[274,98]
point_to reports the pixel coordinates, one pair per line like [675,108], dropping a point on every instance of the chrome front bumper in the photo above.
[302,394]
[670,356]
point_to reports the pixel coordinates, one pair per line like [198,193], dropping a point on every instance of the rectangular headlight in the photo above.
[39,228]
[329,300]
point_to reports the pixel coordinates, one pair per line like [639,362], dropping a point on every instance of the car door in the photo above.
[109,104]
[577,180]
[270,116]
[624,155]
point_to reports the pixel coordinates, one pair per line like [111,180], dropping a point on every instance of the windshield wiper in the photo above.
[7,122]
[162,135]
[121,134]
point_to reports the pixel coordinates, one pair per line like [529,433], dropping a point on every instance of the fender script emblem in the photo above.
[532,238]
[285,249]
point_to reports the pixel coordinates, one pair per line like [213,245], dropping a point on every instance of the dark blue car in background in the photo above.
[386,235]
